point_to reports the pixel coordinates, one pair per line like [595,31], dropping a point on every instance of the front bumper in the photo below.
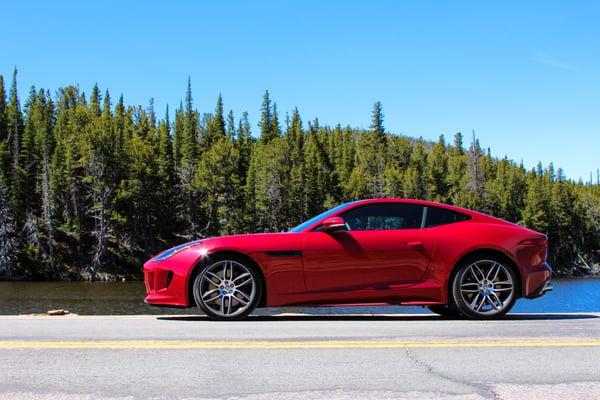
[165,286]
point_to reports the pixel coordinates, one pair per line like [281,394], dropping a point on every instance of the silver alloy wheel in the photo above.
[487,287]
[227,288]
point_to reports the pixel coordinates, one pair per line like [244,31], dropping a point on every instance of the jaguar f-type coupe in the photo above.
[454,261]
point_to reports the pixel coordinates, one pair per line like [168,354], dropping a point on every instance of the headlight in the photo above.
[174,250]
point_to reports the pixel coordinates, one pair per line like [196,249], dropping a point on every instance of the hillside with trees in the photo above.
[91,186]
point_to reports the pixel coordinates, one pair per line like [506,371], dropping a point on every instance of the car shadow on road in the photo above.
[378,317]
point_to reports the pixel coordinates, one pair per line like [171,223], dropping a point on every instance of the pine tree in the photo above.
[458,143]
[166,177]
[265,118]
[95,100]
[368,180]
[28,159]
[377,121]
[456,170]
[343,149]
[438,172]
[230,126]
[107,107]
[488,167]
[36,204]
[46,144]
[65,170]
[178,136]
[166,164]
[216,126]
[275,128]
[4,146]
[269,125]
[14,138]
[120,124]
[513,200]
[295,186]
[563,218]
[314,174]
[243,144]
[250,190]
[186,143]
[189,137]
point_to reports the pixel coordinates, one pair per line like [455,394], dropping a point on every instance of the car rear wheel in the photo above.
[445,310]
[484,288]
[227,289]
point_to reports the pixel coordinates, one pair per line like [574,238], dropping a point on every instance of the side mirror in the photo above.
[333,224]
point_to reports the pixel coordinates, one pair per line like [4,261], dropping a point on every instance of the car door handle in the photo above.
[417,245]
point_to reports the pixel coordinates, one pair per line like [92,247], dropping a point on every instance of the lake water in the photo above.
[103,298]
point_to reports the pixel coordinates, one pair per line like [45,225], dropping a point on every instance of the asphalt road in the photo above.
[300,357]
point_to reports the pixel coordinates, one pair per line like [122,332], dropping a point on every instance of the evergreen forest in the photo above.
[91,187]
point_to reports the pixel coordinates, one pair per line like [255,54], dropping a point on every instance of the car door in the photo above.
[384,246]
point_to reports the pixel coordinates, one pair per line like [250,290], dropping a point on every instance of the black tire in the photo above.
[228,295]
[445,310]
[479,292]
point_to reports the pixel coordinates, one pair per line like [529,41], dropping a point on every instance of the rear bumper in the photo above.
[542,290]
[537,282]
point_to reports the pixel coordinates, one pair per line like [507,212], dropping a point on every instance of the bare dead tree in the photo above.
[186,176]
[101,195]
[275,200]
[47,208]
[8,241]
[31,232]
[476,180]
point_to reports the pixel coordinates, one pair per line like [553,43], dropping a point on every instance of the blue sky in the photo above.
[524,75]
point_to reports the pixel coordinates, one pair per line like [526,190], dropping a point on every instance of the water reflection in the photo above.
[125,298]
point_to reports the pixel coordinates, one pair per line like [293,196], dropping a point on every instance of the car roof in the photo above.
[416,201]
[474,215]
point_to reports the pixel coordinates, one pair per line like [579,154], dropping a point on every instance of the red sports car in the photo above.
[455,261]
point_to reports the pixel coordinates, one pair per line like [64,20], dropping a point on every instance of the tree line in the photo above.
[89,187]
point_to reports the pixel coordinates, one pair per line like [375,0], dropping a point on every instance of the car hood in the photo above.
[254,242]
[251,242]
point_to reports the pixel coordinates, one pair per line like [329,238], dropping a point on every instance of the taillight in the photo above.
[534,242]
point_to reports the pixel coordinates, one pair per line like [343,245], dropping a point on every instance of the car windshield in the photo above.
[325,214]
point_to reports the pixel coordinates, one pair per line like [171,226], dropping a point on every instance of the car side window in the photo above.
[437,216]
[384,217]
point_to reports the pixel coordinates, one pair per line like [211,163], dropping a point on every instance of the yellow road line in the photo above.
[224,345]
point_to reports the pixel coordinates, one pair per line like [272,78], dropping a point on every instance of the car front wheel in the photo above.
[227,289]
[484,288]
